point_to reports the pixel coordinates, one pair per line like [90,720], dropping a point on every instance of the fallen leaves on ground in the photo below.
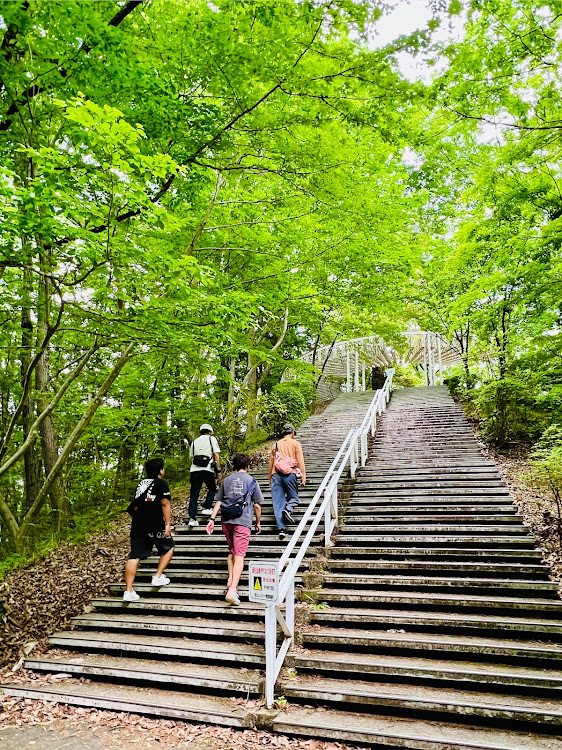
[42,598]
[20,712]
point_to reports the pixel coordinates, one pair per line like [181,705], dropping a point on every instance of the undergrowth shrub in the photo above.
[508,410]
[286,402]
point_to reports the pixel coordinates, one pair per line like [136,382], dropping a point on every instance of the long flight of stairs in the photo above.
[181,651]
[434,625]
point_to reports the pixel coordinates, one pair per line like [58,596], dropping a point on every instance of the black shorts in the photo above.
[142,545]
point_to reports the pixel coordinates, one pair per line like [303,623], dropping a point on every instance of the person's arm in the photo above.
[216,510]
[167,513]
[300,461]
[216,452]
[214,513]
[257,497]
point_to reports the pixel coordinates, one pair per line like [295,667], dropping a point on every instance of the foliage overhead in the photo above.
[193,194]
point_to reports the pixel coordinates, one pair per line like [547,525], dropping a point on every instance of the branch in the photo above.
[35,89]
[199,231]
[328,355]
[280,340]
[211,141]
[34,429]
[75,436]
[27,382]
[9,518]
[505,124]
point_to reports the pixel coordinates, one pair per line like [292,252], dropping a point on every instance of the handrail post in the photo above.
[328,520]
[364,448]
[334,503]
[270,653]
[290,610]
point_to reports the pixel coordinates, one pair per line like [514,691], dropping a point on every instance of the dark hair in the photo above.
[240,461]
[205,432]
[153,467]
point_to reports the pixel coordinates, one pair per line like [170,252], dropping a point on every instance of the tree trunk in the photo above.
[49,442]
[31,458]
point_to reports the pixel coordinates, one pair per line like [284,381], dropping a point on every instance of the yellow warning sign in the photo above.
[263,583]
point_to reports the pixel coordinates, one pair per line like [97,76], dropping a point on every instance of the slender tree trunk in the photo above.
[49,442]
[31,457]
[125,475]
[75,435]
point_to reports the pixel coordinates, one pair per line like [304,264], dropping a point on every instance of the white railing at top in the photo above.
[353,453]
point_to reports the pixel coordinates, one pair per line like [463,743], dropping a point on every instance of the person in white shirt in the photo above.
[205,465]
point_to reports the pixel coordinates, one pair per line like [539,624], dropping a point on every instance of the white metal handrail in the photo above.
[352,453]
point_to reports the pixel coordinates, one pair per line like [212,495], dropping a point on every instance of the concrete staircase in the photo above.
[181,651]
[432,625]
[433,622]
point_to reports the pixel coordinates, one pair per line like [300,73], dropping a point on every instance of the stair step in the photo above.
[438,518]
[406,553]
[407,667]
[454,644]
[147,701]
[546,607]
[196,607]
[446,620]
[409,733]
[156,673]
[180,590]
[174,648]
[521,542]
[180,626]
[422,567]
[430,700]
[548,587]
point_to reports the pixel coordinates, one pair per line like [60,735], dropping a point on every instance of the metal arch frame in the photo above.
[348,360]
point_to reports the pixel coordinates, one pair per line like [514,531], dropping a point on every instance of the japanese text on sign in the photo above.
[263,581]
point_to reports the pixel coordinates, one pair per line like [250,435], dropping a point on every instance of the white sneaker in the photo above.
[232,597]
[130,596]
[160,580]
[207,512]
[193,523]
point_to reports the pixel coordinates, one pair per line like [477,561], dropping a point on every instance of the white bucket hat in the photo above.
[205,427]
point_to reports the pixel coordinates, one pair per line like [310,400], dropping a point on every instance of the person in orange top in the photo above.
[284,485]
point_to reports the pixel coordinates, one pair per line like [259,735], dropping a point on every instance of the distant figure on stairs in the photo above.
[205,465]
[286,467]
[151,526]
[239,498]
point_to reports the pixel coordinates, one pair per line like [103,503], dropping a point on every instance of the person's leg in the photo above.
[230,567]
[211,483]
[240,541]
[196,481]
[228,531]
[291,487]
[237,569]
[164,562]
[130,572]
[278,500]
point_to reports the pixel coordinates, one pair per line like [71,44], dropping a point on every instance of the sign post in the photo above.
[263,581]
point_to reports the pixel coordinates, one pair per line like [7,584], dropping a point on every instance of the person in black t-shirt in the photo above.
[151,527]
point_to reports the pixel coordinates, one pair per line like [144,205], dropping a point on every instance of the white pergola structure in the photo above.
[348,361]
